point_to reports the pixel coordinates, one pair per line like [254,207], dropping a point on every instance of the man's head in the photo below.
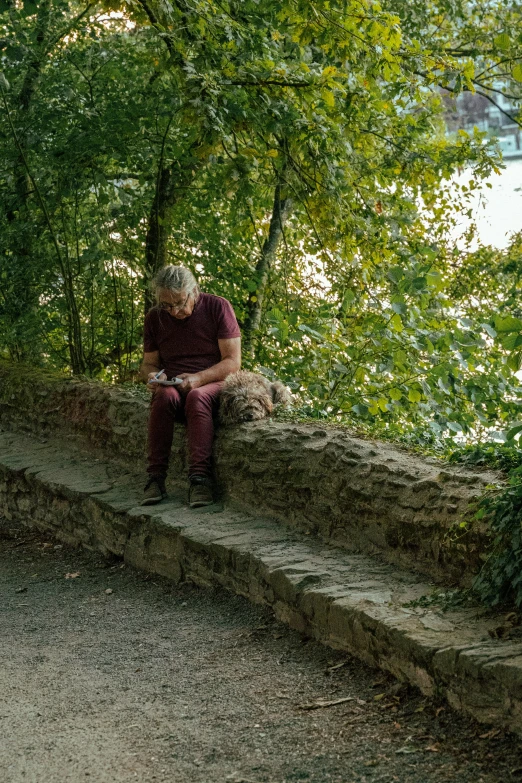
[176,291]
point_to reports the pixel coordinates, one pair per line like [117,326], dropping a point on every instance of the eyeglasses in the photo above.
[174,308]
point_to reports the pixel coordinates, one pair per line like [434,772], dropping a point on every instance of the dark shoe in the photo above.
[154,491]
[200,491]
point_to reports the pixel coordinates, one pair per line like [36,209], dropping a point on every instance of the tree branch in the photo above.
[157,25]
[70,28]
[269,82]
[499,92]
[478,92]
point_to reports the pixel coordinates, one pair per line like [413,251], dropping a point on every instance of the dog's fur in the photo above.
[247,396]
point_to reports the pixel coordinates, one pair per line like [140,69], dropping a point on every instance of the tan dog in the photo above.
[247,396]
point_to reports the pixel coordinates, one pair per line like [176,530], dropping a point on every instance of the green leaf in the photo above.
[515,361]
[328,97]
[30,7]
[312,332]
[510,434]
[503,41]
[399,307]
[511,341]
[454,426]
[400,358]
[508,324]
[414,395]
[276,313]
[429,252]
[435,280]
[396,323]
[489,330]
[348,299]
[517,72]
[395,274]
[382,402]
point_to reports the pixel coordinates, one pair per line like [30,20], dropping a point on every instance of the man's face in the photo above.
[179,304]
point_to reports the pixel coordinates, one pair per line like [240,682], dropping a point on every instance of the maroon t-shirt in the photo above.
[190,345]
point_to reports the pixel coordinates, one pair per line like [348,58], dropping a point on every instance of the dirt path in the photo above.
[107,674]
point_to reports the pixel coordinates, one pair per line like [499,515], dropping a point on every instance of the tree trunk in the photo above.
[171,184]
[160,221]
[280,213]
[24,289]
[23,298]
[24,100]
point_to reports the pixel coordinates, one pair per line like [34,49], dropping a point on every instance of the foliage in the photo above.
[500,456]
[129,125]
[500,579]
[444,599]
[479,43]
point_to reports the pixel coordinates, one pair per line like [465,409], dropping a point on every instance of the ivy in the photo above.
[500,579]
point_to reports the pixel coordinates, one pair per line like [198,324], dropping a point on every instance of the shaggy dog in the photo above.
[247,396]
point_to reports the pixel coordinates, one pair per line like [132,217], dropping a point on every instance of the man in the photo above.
[193,336]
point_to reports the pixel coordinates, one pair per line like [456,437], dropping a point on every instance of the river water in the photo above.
[497,211]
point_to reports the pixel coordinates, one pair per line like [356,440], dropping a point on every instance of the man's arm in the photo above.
[230,351]
[149,367]
[150,364]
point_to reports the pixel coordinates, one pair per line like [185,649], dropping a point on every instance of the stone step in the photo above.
[349,601]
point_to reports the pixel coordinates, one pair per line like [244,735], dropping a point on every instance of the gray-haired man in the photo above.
[195,337]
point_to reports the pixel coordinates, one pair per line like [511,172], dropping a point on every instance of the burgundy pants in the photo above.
[196,409]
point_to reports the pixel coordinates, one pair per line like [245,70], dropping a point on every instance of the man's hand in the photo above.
[190,381]
[153,386]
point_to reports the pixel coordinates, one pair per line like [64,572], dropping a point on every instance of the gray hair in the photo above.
[175,278]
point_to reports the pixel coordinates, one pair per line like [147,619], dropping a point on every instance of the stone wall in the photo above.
[362,495]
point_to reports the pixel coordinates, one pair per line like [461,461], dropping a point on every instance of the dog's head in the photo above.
[247,396]
[241,404]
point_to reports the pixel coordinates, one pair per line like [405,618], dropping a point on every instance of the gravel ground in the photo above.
[109,674]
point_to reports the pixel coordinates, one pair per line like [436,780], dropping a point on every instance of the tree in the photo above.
[294,155]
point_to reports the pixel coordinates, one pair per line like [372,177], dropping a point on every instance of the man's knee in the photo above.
[198,400]
[166,397]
